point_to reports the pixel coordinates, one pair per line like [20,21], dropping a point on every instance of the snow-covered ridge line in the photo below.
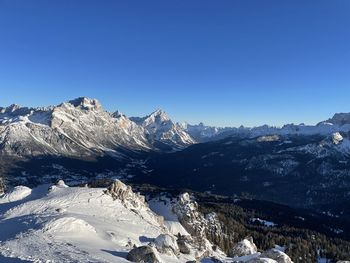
[81,224]
[81,127]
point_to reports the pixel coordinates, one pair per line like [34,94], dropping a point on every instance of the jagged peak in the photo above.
[118,114]
[86,103]
[11,108]
[340,119]
[156,116]
[159,113]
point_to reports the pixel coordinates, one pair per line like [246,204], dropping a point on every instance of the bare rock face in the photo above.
[120,191]
[244,248]
[196,223]
[124,193]
[143,254]
[200,227]
[187,211]
[277,255]
[167,244]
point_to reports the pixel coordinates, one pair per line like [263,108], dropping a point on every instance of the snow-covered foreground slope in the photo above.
[80,224]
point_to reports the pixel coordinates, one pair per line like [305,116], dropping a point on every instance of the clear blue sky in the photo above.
[221,62]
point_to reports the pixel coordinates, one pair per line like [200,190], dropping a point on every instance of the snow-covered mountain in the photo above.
[81,127]
[79,224]
[340,119]
[160,128]
[78,127]
[203,133]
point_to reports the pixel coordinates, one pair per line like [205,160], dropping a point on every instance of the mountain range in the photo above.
[300,165]
[81,127]
[287,186]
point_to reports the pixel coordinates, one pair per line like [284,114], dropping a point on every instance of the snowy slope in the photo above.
[75,225]
[80,224]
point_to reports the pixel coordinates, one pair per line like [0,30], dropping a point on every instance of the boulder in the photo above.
[143,254]
[277,255]
[167,244]
[244,248]
[182,243]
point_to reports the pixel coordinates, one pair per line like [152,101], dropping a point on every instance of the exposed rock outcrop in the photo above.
[124,193]
[143,254]
[198,225]
[134,201]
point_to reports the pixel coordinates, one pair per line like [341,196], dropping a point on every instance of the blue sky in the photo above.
[221,62]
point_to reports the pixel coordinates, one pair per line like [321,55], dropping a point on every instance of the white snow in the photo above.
[69,226]
[163,207]
[263,222]
[72,224]
[78,224]
[16,194]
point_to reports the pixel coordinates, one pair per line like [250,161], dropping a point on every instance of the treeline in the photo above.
[302,245]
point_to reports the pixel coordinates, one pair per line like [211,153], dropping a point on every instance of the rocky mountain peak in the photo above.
[11,108]
[156,118]
[86,103]
[339,119]
[118,114]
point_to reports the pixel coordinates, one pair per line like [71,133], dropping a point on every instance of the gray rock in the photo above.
[143,254]
[183,245]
